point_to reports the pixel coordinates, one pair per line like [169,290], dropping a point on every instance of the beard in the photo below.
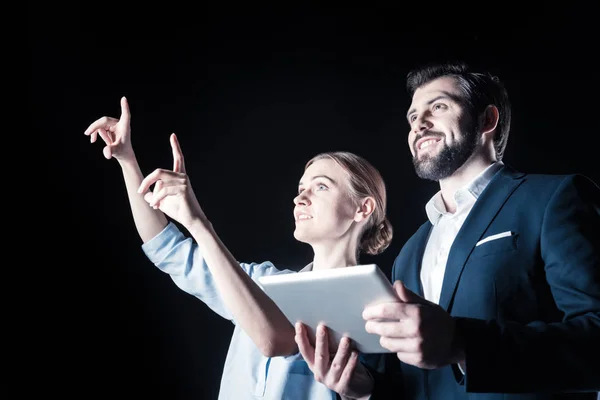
[449,158]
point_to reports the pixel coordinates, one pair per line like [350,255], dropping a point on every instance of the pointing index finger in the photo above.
[125,114]
[178,162]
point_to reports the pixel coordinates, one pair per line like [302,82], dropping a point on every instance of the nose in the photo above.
[421,124]
[302,199]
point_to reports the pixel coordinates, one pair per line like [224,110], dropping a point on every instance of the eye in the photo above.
[322,186]
[438,107]
[412,118]
[300,190]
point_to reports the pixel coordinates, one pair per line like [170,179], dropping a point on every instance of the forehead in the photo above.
[323,167]
[444,86]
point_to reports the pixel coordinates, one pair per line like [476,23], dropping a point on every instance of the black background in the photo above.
[252,96]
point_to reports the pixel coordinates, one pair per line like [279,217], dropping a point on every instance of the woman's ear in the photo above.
[365,209]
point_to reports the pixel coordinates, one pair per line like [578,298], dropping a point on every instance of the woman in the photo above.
[339,211]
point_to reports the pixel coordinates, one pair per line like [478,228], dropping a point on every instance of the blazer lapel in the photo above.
[485,209]
[411,274]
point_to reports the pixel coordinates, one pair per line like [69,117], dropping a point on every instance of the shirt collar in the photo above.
[435,207]
[308,268]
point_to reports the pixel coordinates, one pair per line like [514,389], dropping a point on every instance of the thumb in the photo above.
[406,295]
[107,151]
[148,196]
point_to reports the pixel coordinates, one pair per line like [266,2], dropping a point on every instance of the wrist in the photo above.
[129,162]
[199,226]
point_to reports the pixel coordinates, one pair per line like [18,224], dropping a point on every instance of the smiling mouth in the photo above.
[303,217]
[428,143]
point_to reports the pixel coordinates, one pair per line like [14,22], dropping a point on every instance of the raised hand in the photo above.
[342,373]
[173,193]
[420,332]
[116,134]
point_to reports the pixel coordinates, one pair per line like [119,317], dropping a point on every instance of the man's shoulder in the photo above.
[554,181]
[537,190]
[546,177]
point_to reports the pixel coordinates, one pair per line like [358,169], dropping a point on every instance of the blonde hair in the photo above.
[364,180]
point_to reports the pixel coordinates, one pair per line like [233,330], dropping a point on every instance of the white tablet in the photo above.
[335,297]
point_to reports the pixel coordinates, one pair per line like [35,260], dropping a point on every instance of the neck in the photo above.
[460,178]
[339,253]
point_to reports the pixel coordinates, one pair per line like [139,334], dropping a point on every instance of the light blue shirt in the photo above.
[247,373]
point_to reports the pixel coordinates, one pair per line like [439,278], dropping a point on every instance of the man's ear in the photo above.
[365,209]
[488,120]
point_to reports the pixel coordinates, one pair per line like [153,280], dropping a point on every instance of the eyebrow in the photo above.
[444,95]
[317,177]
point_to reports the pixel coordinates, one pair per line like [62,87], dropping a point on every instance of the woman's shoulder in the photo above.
[266,268]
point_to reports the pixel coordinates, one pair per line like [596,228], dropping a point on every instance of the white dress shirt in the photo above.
[445,228]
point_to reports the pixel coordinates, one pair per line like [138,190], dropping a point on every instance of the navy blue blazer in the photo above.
[527,304]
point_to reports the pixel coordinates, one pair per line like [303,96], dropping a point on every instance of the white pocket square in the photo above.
[494,237]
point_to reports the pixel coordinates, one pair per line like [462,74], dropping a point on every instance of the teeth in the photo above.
[427,143]
[304,216]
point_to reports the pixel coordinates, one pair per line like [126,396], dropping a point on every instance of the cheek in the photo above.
[346,212]
[410,140]
[333,213]
[456,135]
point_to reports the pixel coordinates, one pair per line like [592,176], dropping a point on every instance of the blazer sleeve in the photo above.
[563,355]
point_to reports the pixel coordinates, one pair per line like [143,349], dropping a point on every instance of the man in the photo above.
[500,288]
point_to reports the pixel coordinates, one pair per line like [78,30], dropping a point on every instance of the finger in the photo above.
[151,179]
[411,358]
[162,190]
[104,122]
[178,162]
[148,197]
[396,345]
[340,360]
[348,371]
[406,295]
[306,349]
[105,136]
[125,114]
[162,178]
[157,194]
[390,310]
[321,351]
[397,329]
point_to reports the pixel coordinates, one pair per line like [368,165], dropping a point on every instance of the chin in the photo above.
[297,235]
[301,236]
